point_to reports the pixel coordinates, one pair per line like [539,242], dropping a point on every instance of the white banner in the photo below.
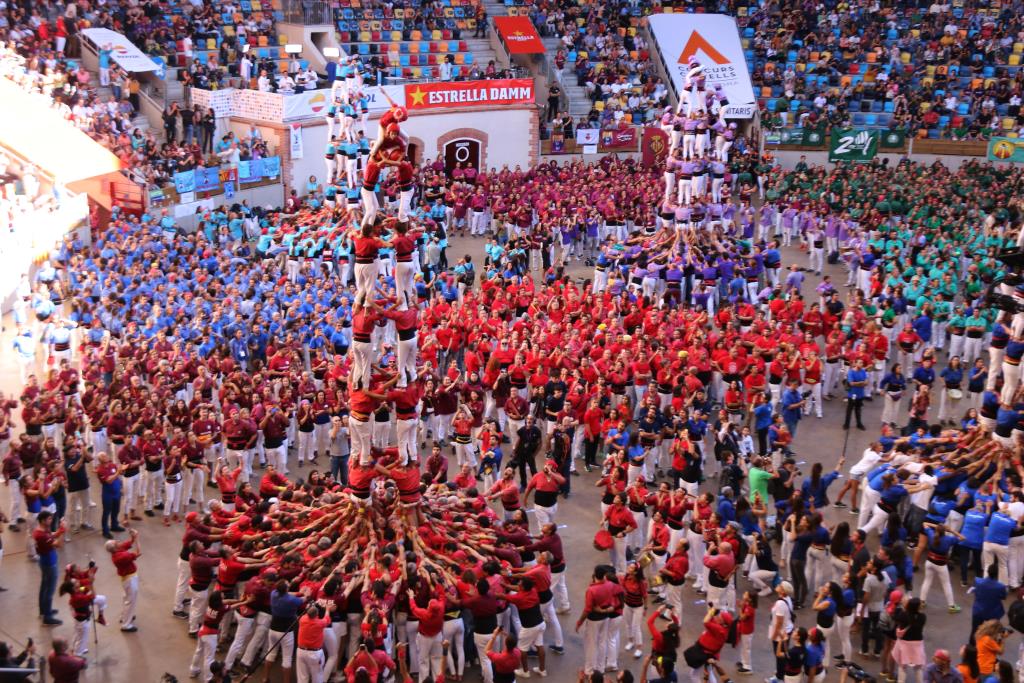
[314,103]
[122,51]
[295,133]
[587,136]
[714,40]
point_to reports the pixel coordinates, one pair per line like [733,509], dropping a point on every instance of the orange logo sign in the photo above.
[698,42]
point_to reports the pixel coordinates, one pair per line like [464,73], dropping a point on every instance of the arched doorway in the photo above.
[465,151]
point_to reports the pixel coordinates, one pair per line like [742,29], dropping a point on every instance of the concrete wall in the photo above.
[312,39]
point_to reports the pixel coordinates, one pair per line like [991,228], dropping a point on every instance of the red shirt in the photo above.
[124,562]
[431,618]
[505,662]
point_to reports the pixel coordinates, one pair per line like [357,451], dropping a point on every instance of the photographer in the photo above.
[989,640]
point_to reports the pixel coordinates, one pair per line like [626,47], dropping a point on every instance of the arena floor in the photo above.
[162,644]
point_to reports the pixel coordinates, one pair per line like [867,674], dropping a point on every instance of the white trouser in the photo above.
[632,621]
[132,494]
[430,656]
[154,488]
[278,457]
[361,434]
[933,572]
[560,591]
[486,672]
[454,631]
[999,553]
[243,629]
[405,272]
[610,659]
[78,508]
[366,275]
[181,586]
[80,642]
[595,637]
[259,638]
[361,353]
[130,586]
[406,361]
[193,487]
[305,446]
[545,515]
[172,498]
[17,509]
[746,640]
[202,658]
[551,623]
[868,498]
[197,608]
[407,439]
[1016,561]
[285,642]
[309,666]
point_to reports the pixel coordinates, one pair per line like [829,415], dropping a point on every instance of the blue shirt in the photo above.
[856,375]
[988,599]
[763,416]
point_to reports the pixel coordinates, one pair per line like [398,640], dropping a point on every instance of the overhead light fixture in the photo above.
[293,48]
[332,52]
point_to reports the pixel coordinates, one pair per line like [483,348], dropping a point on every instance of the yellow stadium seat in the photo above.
[905,57]
[435,35]
[417,72]
[1014,59]
[282,39]
[364,37]
[1009,122]
[599,105]
[1018,48]
[801,67]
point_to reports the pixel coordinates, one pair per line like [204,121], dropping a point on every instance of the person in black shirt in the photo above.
[525,451]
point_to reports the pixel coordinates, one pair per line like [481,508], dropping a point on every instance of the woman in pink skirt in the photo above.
[908,653]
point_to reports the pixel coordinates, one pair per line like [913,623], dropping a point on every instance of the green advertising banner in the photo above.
[893,139]
[1006,150]
[853,145]
[813,137]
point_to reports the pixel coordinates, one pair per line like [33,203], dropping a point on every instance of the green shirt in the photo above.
[758,480]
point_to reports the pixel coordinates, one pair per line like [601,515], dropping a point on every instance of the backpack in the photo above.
[733,636]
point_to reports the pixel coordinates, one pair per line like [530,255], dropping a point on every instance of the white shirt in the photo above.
[263,84]
[867,462]
[923,497]
[782,608]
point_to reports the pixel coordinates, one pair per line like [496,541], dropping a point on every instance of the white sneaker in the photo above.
[522,674]
[540,672]
[638,653]
[629,645]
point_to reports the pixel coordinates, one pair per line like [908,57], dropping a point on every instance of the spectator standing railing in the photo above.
[308,12]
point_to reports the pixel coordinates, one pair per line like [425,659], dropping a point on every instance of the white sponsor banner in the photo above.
[714,40]
[295,133]
[378,102]
[122,50]
[315,102]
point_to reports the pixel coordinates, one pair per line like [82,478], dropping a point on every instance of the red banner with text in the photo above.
[443,95]
[519,35]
